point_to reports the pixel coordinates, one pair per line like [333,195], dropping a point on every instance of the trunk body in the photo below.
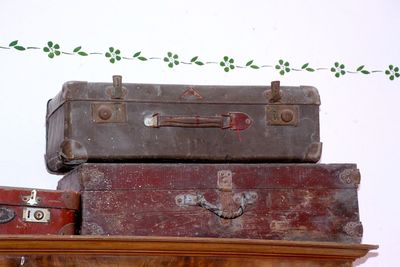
[91,122]
[36,211]
[314,202]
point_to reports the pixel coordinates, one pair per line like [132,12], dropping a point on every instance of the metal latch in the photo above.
[116,91]
[33,199]
[37,215]
[117,84]
[275,95]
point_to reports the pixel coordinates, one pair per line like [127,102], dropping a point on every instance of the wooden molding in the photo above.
[175,246]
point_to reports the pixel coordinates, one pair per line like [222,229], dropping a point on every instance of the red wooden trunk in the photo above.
[315,202]
[37,211]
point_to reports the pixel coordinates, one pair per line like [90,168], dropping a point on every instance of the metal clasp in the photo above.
[32,200]
[116,91]
[36,215]
[117,84]
[275,91]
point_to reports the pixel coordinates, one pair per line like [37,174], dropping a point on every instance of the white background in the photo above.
[359,113]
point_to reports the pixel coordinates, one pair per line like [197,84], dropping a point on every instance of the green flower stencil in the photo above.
[113,55]
[171,59]
[392,72]
[52,49]
[338,69]
[282,67]
[227,63]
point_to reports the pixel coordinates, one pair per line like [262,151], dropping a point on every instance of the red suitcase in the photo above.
[37,211]
[104,123]
[315,202]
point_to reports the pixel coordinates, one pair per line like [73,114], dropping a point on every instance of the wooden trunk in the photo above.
[38,211]
[101,122]
[315,202]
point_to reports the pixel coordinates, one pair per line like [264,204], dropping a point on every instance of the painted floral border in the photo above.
[114,55]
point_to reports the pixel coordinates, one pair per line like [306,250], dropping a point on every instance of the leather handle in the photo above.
[231,120]
[192,121]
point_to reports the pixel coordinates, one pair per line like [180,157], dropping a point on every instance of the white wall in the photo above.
[359,113]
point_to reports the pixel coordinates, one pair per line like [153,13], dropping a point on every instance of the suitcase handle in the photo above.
[232,120]
[199,200]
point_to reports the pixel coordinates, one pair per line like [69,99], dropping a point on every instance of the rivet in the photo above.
[287,115]
[104,112]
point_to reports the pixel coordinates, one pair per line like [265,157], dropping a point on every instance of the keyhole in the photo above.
[38,215]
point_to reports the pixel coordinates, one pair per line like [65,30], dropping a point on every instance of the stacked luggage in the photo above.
[200,161]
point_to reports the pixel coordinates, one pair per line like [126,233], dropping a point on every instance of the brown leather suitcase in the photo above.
[103,122]
[310,202]
[38,211]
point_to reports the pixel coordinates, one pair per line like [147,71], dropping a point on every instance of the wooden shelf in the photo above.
[49,250]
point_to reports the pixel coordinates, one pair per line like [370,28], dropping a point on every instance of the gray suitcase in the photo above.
[103,122]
